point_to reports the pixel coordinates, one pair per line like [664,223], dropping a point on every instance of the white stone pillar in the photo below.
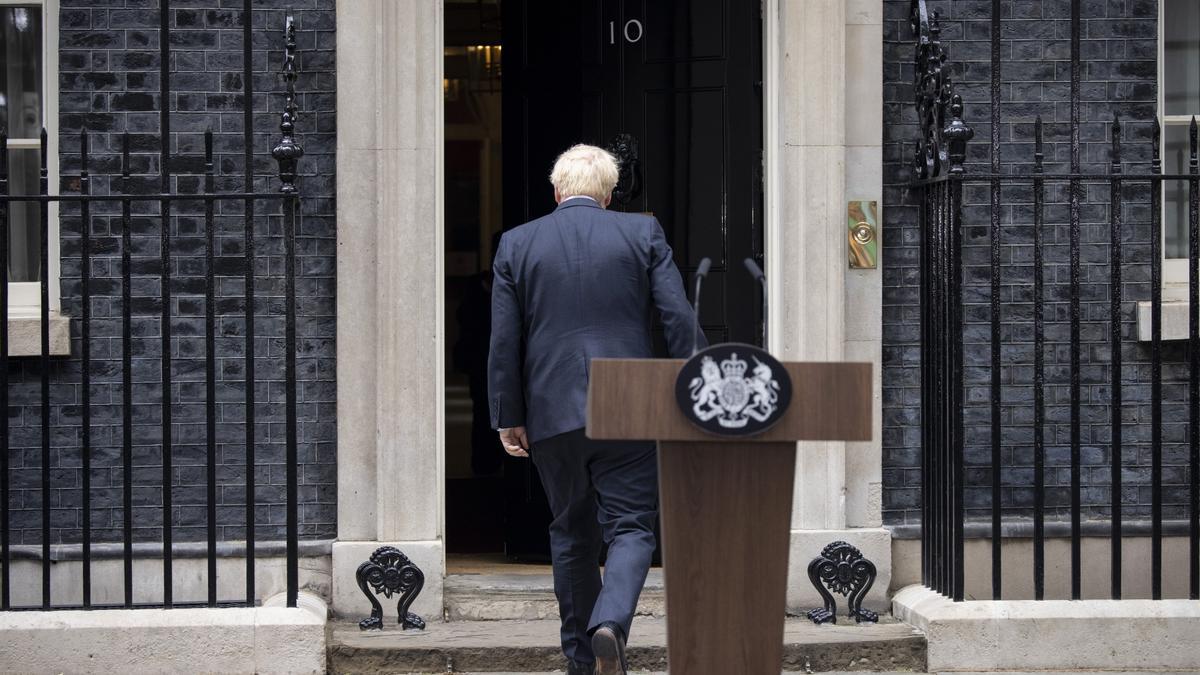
[823,147]
[391,483]
[808,238]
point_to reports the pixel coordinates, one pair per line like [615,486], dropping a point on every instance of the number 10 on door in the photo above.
[632,31]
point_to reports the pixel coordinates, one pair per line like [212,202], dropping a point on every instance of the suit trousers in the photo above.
[599,491]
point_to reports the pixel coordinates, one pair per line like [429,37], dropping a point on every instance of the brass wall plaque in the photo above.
[862,222]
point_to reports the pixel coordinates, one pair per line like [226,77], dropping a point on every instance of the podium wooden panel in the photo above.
[635,399]
[725,503]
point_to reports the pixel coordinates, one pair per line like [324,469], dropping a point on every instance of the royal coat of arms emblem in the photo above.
[733,389]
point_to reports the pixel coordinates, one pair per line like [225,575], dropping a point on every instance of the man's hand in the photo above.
[514,441]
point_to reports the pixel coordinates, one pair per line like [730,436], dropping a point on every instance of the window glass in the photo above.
[1175,197]
[24,232]
[1181,57]
[21,70]
[1180,82]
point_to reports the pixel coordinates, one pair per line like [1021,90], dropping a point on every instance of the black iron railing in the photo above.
[939,178]
[130,193]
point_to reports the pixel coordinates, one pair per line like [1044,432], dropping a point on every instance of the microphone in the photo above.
[757,273]
[755,270]
[701,272]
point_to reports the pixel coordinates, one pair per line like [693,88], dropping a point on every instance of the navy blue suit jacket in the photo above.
[571,286]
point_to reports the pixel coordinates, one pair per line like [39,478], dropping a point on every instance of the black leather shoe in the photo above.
[608,645]
[580,668]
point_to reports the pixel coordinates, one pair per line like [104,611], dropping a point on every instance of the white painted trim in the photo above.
[772,166]
[440,287]
[26,296]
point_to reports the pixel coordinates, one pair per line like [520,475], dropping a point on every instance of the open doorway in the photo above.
[494,506]
[674,89]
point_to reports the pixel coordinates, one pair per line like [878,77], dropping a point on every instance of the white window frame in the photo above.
[1174,270]
[24,298]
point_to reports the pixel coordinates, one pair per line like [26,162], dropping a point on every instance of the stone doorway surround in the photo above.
[824,132]
[390,339]
[823,89]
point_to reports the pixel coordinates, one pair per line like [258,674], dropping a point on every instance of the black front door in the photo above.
[682,80]
[676,86]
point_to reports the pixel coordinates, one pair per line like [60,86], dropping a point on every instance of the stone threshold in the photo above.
[533,646]
[527,596]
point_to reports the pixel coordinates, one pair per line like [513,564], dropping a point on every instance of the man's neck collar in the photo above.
[579,201]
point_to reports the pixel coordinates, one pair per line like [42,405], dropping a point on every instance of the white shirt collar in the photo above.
[580,197]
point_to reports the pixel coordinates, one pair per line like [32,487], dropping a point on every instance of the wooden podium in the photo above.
[726,503]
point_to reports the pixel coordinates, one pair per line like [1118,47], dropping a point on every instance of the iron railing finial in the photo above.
[957,133]
[288,152]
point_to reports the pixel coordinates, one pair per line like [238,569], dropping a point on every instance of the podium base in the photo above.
[726,514]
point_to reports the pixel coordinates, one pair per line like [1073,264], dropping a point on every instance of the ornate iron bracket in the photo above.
[845,571]
[288,153]
[944,136]
[389,571]
[629,182]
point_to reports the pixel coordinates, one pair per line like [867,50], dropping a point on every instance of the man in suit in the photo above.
[577,284]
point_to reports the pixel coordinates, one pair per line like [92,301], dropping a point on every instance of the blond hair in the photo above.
[585,170]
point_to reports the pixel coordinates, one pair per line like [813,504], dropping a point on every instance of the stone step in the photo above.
[501,597]
[863,672]
[532,646]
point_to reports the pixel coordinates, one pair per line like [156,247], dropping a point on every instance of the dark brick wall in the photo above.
[1119,76]
[109,84]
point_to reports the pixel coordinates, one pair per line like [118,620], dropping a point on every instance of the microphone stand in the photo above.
[757,273]
[701,272]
